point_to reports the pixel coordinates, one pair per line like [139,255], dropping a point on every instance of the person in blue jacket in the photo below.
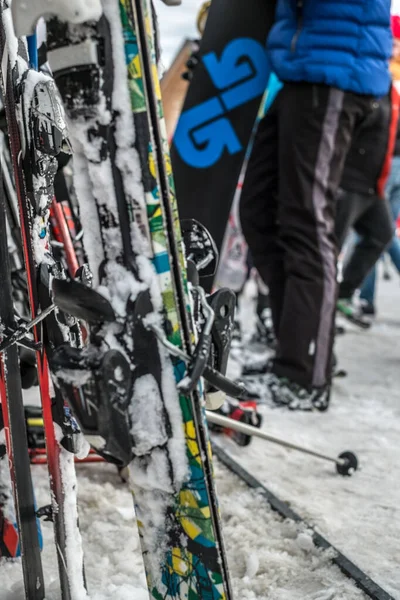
[332,57]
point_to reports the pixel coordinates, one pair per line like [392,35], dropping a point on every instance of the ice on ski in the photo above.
[12,42]
[147,416]
[73,545]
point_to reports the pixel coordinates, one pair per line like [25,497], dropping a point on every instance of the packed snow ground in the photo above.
[359,515]
[271,559]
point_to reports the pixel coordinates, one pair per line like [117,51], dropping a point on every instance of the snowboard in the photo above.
[218,115]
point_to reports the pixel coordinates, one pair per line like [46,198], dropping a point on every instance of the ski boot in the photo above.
[296,397]
[352,313]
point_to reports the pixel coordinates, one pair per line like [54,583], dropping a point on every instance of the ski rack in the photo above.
[348,568]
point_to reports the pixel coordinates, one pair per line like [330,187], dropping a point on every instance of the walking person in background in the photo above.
[332,58]
[362,204]
[367,293]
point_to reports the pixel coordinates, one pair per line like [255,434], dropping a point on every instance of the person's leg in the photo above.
[258,209]
[375,230]
[394,252]
[393,195]
[367,291]
[315,130]
[349,207]
[392,192]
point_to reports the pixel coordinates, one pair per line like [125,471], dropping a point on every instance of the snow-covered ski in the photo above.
[36,131]
[17,502]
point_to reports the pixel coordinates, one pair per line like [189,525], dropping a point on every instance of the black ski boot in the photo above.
[295,397]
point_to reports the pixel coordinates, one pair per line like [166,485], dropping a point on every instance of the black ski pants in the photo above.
[288,212]
[371,217]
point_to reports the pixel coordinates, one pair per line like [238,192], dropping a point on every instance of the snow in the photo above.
[270,559]
[73,547]
[147,416]
[127,158]
[6,503]
[359,515]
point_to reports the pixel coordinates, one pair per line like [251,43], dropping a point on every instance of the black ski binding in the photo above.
[45,513]
[200,247]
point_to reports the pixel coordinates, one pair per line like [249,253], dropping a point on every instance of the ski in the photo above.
[36,132]
[140,399]
[19,532]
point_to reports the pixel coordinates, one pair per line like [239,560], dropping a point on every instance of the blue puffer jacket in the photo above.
[343,43]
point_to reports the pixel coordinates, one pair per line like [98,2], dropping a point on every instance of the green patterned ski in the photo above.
[195,565]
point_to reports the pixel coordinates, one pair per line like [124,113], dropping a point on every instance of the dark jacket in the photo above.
[342,43]
[368,161]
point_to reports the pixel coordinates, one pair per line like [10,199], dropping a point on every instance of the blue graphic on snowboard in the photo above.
[204,132]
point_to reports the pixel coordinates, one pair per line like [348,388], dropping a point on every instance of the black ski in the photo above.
[15,431]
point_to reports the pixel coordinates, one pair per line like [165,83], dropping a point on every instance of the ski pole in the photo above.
[18,335]
[346,463]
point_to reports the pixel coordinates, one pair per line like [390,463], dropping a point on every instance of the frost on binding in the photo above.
[39,110]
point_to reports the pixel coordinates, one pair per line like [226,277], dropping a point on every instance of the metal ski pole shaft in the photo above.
[218,419]
[23,329]
[344,462]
